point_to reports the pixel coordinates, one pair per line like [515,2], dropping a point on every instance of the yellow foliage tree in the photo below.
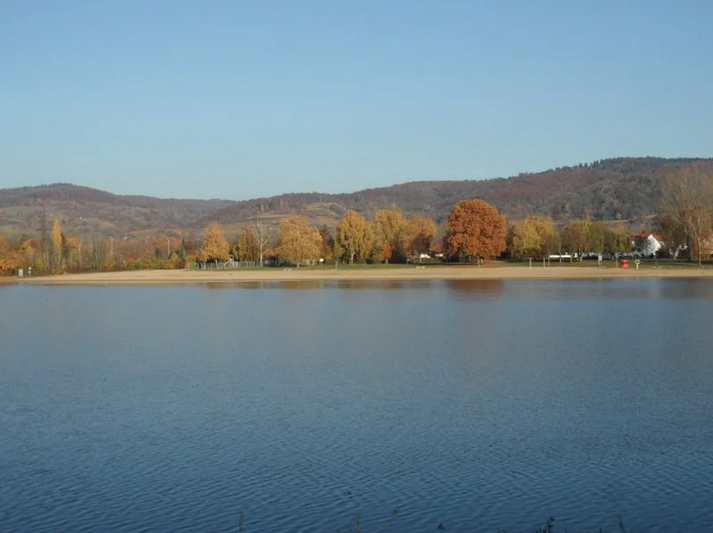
[549,236]
[419,234]
[56,241]
[576,237]
[72,245]
[524,239]
[298,240]
[248,246]
[215,247]
[389,227]
[28,249]
[354,236]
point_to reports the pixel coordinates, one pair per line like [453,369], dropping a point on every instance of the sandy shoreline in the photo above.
[172,277]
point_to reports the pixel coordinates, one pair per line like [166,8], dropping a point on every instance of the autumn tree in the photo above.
[535,236]
[327,242]
[29,250]
[597,236]
[549,236]
[575,236]
[248,248]
[389,227]
[418,235]
[56,247]
[523,240]
[298,240]
[70,250]
[687,207]
[354,236]
[45,252]
[214,246]
[385,251]
[10,259]
[4,251]
[617,241]
[475,229]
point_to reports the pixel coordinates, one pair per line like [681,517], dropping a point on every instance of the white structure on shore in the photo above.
[649,244]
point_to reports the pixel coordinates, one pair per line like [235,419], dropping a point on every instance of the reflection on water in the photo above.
[285,285]
[382,284]
[482,404]
[475,289]
[322,284]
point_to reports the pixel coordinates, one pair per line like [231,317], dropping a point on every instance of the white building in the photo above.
[649,244]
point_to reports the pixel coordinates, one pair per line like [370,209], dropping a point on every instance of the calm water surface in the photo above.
[484,405]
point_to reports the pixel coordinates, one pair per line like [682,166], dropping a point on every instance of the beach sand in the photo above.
[411,272]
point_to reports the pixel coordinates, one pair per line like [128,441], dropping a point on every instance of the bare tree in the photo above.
[96,255]
[262,233]
[687,207]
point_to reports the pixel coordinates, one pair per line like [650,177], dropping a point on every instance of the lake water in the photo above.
[483,405]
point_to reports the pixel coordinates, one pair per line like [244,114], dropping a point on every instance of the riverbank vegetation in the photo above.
[475,231]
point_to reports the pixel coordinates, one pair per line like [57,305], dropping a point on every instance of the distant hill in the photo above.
[622,188]
[627,189]
[84,211]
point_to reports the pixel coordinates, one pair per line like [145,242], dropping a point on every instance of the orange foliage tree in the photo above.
[475,229]
[386,251]
[10,260]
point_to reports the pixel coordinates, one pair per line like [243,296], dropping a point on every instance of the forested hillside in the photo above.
[628,189]
[91,212]
[623,188]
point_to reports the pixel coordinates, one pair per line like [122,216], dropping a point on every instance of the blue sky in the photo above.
[238,99]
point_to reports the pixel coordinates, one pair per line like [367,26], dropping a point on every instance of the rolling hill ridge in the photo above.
[626,189]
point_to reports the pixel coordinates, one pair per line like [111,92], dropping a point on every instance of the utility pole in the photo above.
[168,247]
[111,240]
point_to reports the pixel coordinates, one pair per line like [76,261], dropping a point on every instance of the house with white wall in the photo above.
[648,243]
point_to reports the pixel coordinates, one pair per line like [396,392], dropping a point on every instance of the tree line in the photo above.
[55,252]
[474,231]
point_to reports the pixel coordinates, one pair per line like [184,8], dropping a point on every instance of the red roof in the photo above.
[645,235]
